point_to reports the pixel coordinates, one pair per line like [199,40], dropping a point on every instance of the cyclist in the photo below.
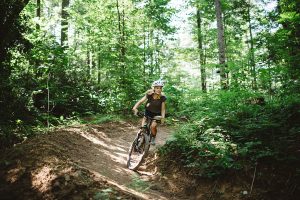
[155,106]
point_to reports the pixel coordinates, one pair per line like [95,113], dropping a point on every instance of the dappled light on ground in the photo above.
[41,178]
[14,174]
[81,161]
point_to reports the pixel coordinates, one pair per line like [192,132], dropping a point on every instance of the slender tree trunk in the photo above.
[48,99]
[123,48]
[225,49]
[145,58]
[99,67]
[88,64]
[121,27]
[151,52]
[157,55]
[94,66]
[38,12]
[270,77]
[243,77]
[201,54]
[252,59]
[38,15]
[221,44]
[204,50]
[64,23]
[248,66]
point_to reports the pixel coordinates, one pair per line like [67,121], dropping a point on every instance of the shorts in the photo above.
[151,114]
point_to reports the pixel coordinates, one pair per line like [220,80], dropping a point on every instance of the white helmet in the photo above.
[158,83]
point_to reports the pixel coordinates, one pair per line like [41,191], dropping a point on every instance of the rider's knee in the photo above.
[153,126]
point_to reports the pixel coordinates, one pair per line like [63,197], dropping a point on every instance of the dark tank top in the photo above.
[154,105]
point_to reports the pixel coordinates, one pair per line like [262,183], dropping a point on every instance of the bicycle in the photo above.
[140,146]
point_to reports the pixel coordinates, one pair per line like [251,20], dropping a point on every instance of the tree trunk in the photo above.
[252,59]
[221,44]
[88,64]
[99,67]
[38,15]
[201,54]
[157,55]
[151,52]
[145,59]
[121,27]
[225,46]
[64,23]
[38,12]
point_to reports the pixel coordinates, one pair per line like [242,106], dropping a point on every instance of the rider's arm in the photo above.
[135,107]
[150,92]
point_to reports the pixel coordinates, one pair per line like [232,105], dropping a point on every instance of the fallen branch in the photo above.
[213,190]
[253,178]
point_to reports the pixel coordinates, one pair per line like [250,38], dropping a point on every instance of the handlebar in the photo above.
[141,114]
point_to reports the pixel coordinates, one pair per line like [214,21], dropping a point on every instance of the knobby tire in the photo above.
[135,158]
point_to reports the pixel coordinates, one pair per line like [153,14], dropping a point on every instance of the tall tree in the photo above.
[121,28]
[221,44]
[200,47]
[38,12]
[64,22]
[251,53]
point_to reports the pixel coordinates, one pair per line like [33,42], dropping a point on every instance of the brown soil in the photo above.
[89,162]
[83,162]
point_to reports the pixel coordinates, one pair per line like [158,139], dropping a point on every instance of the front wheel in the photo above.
[138,150]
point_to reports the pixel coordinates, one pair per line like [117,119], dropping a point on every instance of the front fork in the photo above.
[144,129]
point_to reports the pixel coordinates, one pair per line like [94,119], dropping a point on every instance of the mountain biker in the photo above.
[155,106]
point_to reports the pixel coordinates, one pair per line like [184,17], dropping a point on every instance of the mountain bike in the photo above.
[139,148]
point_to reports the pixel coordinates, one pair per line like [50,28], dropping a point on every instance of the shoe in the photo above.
[153,140]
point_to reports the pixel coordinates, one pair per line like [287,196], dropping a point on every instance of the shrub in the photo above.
[227,131]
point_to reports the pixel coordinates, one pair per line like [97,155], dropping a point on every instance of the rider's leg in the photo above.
[154,128]
[153,131]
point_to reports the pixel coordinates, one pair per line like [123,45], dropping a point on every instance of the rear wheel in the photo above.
[138,151]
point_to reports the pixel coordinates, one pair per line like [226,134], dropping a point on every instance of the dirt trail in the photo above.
[81,162]
[104,152]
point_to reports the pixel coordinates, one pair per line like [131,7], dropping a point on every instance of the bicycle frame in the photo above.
[145,133]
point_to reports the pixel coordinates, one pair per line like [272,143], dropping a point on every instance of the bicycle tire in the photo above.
[138,152]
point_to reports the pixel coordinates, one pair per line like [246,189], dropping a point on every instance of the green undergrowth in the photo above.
[138,184]
[101,118]
[232,130]
[19,130]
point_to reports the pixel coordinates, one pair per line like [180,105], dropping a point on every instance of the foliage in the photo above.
[206,153]
[139,184]
[117,48]
[232,129]
[11,30]
[109,61]
[14,133]
[288,35]
[100,118]
[106,194]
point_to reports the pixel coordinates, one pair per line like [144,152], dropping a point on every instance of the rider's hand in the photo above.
[135,111]
[150,92]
